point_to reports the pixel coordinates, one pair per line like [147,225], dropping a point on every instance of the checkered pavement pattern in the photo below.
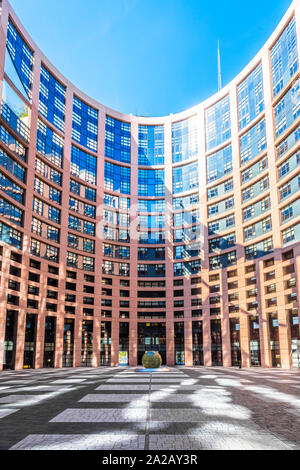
[171,409]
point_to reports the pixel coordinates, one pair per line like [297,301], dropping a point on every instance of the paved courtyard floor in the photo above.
[121,409]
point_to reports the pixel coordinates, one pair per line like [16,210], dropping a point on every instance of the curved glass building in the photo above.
[122,234]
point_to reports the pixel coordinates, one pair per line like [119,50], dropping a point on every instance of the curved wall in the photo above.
[125,233]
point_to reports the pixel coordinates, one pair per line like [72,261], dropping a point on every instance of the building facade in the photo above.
[121,234]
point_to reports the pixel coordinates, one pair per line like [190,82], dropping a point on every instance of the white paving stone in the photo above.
[176,387]
[107,415]
[102,441]
[6,412]
[129,380]
[39,388]
[113,398]
[68,381]
[122,387]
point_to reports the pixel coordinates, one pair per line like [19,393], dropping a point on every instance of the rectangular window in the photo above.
[116,178]
[151,145]
[251,97]
[52,99]
[83,166]
[219,164]
[284,57]
[184,140]
[253,142]
[117,140]
[218,123]
[85,124]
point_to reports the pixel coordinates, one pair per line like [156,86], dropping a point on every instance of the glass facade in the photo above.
[52,99]
[141,242]
[116,178]
[284,57]
[184,140]
[218,124]
[83,165]
[253,142]
[288,109]
[21,56]
[85,124]
[185,178]
[117,140]
[151,145]
[251,97]
[151,183]
[50,144]
[219,164]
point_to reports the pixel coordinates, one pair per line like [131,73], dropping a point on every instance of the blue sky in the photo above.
[149,57]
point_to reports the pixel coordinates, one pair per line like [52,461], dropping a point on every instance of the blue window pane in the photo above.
[184,140]
[83,165]
[12,167]
[21,56]
[219,164]
[288,109]
[116,178]
[11,212]
[85,124]
[185,178]
[10,236]
[11,189]
[151,183]
[117,140]
[151,145]
[251,97]
[13,144]
[218,123]
[284,57]
[253,142]
[52,99]
[50,144]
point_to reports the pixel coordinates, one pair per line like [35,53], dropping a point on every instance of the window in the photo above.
[10,236]
[151,145]
[11,189]
[117,140]
[12,166]
[185,178]
[288,109]
[184,140]
[151,183]
[50,144]
[219,164]
[11,212]
[48,172]
[253,142]
[218,124]
[21,56]
[251,97]
[85,124]
[291,235]
[284,57]
[52,99]
[116,178]
[14,145]
[83,166]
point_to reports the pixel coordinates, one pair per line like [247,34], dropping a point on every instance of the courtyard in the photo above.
[171,409]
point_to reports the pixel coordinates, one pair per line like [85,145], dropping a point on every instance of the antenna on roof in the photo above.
[219,69]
